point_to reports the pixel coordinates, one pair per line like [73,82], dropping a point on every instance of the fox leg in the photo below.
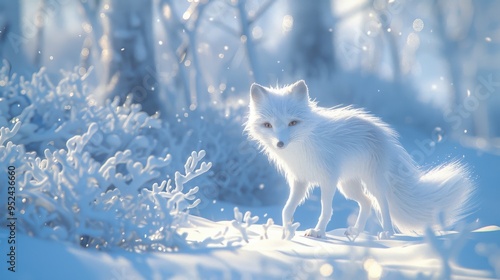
[327,193]
[388,230]
[380,194]
[353,189]
[297,193]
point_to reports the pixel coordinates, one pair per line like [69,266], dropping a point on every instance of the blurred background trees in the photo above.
[432,63]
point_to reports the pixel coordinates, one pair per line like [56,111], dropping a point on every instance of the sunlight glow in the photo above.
[257,32]
[373,269]
[85,52]
[87,27]
[418,25]
[287,23]
[167,12]
[413,41]
[326,270]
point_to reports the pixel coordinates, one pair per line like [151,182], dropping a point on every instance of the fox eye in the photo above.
[267,125]
[292,123]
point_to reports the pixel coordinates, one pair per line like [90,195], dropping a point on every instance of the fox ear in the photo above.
[300,90]
[257,92]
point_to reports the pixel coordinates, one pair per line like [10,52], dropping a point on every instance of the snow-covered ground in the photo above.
[465,255]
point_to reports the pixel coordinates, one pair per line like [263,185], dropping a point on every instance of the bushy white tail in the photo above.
[439,198]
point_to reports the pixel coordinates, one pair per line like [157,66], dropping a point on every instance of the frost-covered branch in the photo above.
[6,133]
[266,227]
[190,170]
[242,223]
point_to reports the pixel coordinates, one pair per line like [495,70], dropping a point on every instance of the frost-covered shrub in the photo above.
[52,114]
[68,195]
[92,174]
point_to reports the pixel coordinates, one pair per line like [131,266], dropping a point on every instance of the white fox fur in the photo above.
[358,154]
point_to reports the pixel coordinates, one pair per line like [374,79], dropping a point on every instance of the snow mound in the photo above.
[467,255]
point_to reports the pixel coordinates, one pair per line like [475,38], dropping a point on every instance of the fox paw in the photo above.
[289,230]
[383,235]
[351,233]
[314,233]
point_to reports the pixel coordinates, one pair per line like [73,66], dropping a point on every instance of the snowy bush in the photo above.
[92,174]
[52,114]
[67,195]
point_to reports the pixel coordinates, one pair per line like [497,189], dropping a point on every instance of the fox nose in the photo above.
[280,144]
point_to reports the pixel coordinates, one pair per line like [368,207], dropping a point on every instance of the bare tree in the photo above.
[182,36]
[127,52]
[183,33]
[312,37]
[13,37]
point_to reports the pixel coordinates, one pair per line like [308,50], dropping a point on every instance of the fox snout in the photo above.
[280,144]
[282,138]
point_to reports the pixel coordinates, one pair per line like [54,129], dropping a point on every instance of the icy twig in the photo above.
[76,143]
[190,170]
[266,226]
[6,133]
[242,223]
[177,199]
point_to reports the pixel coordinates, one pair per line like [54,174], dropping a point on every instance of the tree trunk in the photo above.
[312,51]
[128,53]
[13,36]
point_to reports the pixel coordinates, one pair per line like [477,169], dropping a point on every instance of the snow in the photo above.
[401,257]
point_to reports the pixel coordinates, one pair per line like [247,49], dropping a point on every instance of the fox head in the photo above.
[278,118]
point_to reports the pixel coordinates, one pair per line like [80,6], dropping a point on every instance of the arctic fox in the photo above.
[350,150]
